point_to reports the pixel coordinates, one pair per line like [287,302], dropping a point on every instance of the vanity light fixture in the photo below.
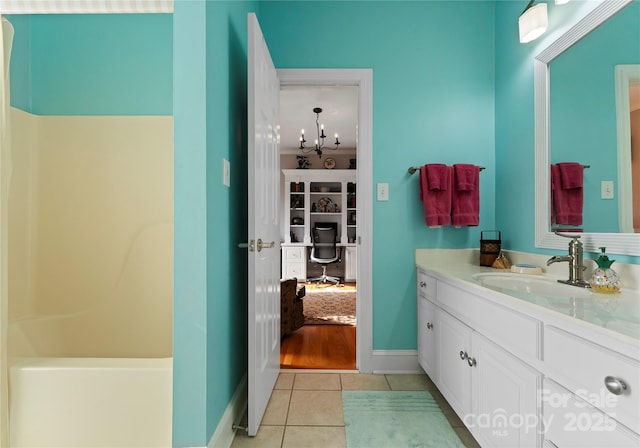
[561,2]
[533,21]
[319,143]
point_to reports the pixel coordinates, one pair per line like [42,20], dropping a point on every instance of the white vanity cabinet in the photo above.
[581,409]
[485,384]
[523,376]
[571,422]
[505,397]
[454,374]
[426,322]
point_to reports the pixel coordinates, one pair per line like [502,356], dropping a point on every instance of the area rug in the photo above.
[385,419]
[329,307]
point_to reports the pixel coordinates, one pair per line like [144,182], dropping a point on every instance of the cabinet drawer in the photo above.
[426,285]
[572,423]
[514,331]
[296,270]
[582,366]
[294,253]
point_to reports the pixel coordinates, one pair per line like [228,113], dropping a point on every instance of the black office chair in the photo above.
[324,251]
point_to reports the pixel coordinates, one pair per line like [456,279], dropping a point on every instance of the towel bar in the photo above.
[413,169]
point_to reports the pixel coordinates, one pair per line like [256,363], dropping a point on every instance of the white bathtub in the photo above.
[90,402]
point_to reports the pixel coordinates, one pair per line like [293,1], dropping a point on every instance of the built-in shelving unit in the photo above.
[312,196]
[319,196]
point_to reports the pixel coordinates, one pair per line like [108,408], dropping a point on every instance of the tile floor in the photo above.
[305,410]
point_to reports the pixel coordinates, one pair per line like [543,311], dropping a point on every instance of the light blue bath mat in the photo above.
[396,419]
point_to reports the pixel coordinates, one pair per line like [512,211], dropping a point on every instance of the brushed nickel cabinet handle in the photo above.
[615,385]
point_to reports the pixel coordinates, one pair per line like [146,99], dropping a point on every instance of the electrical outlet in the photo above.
[606,189]
[383,192]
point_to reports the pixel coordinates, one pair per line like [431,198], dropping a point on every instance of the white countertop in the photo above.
[616,316]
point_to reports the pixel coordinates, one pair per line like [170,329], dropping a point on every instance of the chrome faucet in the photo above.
[575,257]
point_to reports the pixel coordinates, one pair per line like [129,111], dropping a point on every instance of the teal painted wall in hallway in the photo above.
[433,97]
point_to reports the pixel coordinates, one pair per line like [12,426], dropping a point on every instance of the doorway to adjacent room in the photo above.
[329,337]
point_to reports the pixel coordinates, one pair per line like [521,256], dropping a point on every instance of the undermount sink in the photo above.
[516,284]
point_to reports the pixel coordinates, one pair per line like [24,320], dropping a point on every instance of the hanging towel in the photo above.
[571,175]
[465,202]
[567,202]
[466,177]
[435,194]
[437,176]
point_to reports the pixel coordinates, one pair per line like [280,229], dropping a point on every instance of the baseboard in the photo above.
[395,361]
[224,433]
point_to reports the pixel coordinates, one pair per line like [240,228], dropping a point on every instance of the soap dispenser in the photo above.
[604,279]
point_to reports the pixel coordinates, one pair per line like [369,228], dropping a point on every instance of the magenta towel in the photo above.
[437,176]
[466,176]
[567,202]
[465,198]
[436,203]
[570,175]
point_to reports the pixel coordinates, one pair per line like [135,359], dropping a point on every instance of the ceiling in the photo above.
[339,114]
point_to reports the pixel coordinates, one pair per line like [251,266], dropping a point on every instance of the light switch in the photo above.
[226,173]
[383,192]
[606,189]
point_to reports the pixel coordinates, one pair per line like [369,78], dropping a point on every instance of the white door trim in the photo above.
[363,78]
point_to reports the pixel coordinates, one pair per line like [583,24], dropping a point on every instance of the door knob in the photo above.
[615,385]
[471,361]
[429,325]
[264,245]
[463,355]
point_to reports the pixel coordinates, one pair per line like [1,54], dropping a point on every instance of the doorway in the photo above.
[344,344]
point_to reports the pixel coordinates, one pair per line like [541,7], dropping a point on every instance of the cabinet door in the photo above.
[571,422]
[505,407]
[454,374]
[351,264]
[427,337]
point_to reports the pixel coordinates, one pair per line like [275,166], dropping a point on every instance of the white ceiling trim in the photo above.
[85,6]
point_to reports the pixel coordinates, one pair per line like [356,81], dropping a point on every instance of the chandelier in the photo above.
[319,143]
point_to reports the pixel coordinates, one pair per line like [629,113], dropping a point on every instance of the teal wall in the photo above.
[92,64]
[514,199]
[226,207]
[433,97]
[210,300]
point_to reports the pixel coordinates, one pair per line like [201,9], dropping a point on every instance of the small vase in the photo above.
[605,280]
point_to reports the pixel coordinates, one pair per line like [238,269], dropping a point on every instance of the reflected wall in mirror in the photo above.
[583,122]
[594,136]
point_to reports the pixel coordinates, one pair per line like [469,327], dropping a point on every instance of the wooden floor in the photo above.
[320,347]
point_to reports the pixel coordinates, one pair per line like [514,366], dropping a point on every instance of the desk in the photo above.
[295,257]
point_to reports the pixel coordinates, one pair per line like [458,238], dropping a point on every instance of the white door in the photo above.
[264,248]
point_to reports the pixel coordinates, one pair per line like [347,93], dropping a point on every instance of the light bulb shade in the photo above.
[533,22]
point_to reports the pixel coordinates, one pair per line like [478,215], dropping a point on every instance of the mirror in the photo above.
[552,136]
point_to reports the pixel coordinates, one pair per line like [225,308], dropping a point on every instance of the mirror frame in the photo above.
[616,243]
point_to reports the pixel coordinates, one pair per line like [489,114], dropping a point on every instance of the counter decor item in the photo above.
[489,248]
[604,279]
[502,262]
